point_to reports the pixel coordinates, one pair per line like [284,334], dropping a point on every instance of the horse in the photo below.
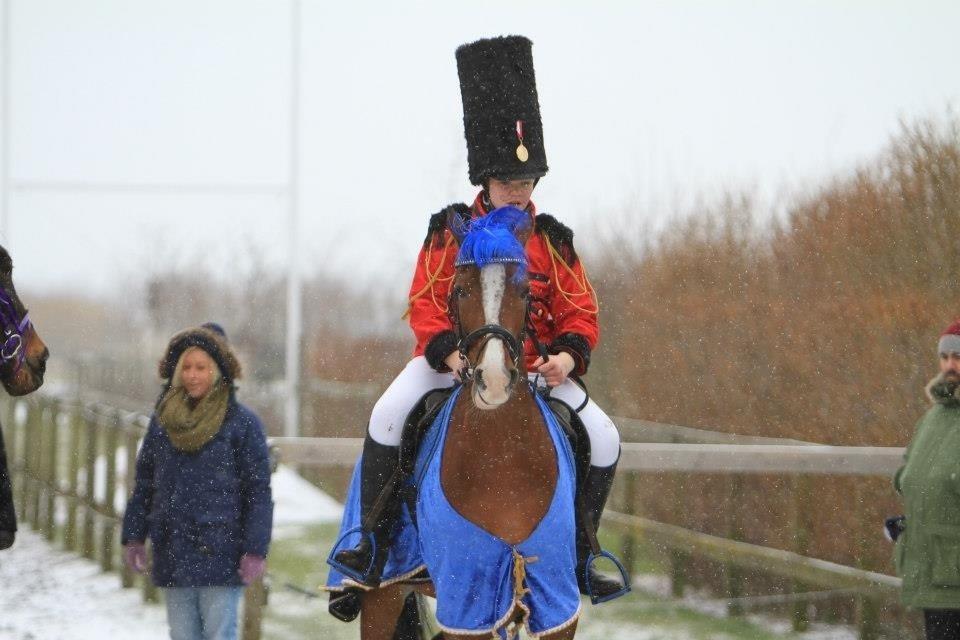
[501,468]
[23,362]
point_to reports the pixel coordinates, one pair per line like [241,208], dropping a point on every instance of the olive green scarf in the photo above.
[191,424]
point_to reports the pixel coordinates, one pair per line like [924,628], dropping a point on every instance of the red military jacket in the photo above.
[563,303]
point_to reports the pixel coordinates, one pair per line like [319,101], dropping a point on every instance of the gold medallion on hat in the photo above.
[522,154]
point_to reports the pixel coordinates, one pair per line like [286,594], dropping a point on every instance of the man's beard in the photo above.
[943,388]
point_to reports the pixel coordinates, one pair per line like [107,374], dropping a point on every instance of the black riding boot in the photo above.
[377,469]
[594,492]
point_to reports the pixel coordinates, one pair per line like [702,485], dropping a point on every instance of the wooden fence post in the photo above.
[254,600]
[799,518]
[734,574]
[35,455]
[88,548]
[52,427]
[75,439]
[150,593]
[21,489]
[678,558]
[111,426]
[131,437]
[12,436]
[867,609]
[628,541]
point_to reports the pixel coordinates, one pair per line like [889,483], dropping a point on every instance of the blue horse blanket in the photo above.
[479,578]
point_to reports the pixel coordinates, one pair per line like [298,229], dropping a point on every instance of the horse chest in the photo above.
[501,477]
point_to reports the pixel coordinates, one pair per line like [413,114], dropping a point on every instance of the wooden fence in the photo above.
[73,467]
[82,454]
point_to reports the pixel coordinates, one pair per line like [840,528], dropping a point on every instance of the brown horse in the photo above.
[23,361]
[499,465]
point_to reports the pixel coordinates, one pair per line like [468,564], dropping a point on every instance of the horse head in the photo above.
[23,355]
[489,302]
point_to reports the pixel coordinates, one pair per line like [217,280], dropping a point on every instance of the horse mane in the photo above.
[491,239]
[438,223]
[559,234]
[6,262]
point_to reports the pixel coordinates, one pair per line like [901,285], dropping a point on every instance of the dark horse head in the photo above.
[23,355]
[489,302]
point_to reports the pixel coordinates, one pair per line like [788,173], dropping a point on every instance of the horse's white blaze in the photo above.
[496,378]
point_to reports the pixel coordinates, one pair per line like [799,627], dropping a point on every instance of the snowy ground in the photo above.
[47,594]
[53,595]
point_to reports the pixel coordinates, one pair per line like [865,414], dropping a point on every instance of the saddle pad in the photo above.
[476,574]
[479,577]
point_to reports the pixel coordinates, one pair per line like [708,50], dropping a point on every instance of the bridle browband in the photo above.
[14,329]
[484,333]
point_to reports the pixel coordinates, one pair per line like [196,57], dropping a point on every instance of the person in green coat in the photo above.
[927,554]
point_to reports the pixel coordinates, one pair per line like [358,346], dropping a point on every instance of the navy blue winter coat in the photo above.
[203,510]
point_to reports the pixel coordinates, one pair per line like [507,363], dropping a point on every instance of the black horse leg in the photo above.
[8,517]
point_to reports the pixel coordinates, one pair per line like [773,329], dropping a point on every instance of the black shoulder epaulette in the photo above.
[438,223]
[559,234]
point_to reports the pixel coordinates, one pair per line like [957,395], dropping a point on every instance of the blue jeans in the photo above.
[203,613]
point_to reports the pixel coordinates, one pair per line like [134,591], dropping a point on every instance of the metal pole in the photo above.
[294,293]
[5,53]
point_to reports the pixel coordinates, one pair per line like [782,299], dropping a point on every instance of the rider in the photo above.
[506,157]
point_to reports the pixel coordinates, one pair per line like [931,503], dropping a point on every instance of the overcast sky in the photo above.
[644,104]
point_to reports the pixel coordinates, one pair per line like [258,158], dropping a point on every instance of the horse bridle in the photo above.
[14,329]
[483,334]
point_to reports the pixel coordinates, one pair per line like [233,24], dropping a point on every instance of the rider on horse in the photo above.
[507,158]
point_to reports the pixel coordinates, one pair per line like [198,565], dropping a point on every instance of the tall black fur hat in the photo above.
[211,338]
[501,113]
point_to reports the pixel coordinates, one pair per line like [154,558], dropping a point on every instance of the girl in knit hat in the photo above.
[202,492]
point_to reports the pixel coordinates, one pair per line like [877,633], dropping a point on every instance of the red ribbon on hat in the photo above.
[520,130]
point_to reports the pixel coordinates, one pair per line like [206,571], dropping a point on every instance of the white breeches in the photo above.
[391,410]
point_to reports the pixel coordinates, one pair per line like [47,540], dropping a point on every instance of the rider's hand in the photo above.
[556,369]
[455,363]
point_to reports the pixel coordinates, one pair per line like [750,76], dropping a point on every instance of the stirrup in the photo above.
[624,576]
[361,577]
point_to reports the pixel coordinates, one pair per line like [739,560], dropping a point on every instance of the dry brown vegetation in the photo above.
[820,327]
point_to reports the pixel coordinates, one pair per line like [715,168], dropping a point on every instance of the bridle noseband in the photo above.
[483,334]
[14,328]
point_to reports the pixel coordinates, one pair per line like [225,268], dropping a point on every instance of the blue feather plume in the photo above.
[491,239]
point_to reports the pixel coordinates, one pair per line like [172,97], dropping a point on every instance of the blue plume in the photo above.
[491,239]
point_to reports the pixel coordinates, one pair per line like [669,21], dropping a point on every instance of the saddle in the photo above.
[425,411]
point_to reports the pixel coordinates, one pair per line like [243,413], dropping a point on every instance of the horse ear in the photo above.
[458,223]
[523,233]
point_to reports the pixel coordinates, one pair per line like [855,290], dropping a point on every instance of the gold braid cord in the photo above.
[432,279]
[584,283]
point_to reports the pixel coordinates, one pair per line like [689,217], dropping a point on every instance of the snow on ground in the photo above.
[708,604]
[47,594]
[297,502]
